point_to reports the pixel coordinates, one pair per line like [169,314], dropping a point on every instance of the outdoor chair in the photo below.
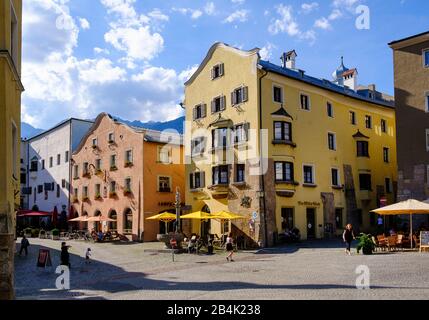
[400,241]
[42,234]
[382,242]
[391,242]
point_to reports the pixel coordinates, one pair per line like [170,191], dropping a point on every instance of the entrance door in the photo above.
[311,223]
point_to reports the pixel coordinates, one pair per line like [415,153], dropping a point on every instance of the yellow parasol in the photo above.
[165,217]
[199,215]
[225,215]
[402,208]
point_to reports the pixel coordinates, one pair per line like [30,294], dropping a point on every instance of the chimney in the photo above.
[289,59]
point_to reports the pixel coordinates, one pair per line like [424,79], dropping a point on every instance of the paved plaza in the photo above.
[313,270]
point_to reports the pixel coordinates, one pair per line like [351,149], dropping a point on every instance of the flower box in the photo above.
[113,168]
[98,197]
[128,192]
[128,164]
[113,194]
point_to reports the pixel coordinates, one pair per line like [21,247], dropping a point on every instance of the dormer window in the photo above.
[94,143]
[111,138]
[218,71]
[305,102]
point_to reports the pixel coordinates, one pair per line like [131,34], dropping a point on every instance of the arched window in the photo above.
[128,221]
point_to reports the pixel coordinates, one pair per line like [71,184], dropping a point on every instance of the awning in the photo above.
[29,213]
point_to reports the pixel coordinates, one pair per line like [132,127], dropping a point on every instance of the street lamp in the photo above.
[178,205]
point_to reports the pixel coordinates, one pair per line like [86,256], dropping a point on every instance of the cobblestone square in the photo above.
[313,270]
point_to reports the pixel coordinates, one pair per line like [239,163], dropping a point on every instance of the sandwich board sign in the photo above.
[424,240]
[44,259]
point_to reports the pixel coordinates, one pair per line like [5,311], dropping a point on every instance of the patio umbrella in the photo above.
[227,216]
[100,219]
[79,219]
[410,207]
[199,215]
[165,217]
[55,217]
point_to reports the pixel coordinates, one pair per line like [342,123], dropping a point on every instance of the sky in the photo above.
[130,58]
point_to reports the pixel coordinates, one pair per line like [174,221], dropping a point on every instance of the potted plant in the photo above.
[86,174]
[99,172]
[85,199]
[98,196]
[365,243]
[127,192]
[75,200]
[128,164]
[55,234]
[112,194]
[113,168]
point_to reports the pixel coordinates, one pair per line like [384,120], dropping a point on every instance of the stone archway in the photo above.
[97,225]
[128,221]
[113,226]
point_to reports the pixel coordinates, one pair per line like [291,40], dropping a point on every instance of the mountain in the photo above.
[176,124]
[28,131]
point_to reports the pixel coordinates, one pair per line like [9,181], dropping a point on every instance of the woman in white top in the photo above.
[229,248]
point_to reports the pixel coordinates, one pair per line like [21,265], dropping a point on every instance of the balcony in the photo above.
[284,142]
[86,175]
[219,191]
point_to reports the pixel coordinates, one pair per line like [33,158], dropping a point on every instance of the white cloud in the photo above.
[84,24]
[238,1]
[156,14]
[322,23]
[194,13]
[239,16]
[345,3]
[99,71]
[286,23]
[266,51]
[98,50]
[309,7]
[335,14]
[210,8]
[138,43]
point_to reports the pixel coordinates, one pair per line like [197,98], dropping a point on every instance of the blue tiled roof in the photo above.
[322,83]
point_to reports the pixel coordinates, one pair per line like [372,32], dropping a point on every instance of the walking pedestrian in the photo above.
[88,256]
[348,237]
[24,245]
[65,256]
[229,248]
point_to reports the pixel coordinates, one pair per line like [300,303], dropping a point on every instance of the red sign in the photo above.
[383,202]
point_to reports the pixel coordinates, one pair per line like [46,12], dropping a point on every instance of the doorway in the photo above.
[311,223]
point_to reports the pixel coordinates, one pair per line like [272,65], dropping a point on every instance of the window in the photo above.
[63,183]
[127,185]
[197,180]
[388,185]
[58,159]
[58,190]
[220,175]
[287,219]
[111,137]
[218,71]
[427,140]
[23,178]
[113,161]
[66,157]
[43,164]
[113,187]
[365,182]
[426,58]
[368,122]
[239,95]
[335,174]
[386,155]
[85,169]
[240,173]
[200,111]
[330,110]
[164,154]
[94,142]
[220,138]
[85,192]
[284,171]
[75,192]
[362,149]
[164,184]
[240,133]
[308,174]
[305,102]
[198,145]
[339,218]
[277,94]
[128,157]
[427,101]
[218,104]
[383,126]
[76,172]
[352,117]
[34,164]
[98,164]
[332,141]
[282,131]
[128,223]
[51,162]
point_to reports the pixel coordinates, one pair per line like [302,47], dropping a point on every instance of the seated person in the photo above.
[392,232]
[100,236]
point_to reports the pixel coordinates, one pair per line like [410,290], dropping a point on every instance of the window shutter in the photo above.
[204,110]
[212,73]
[194,113]
[213,106]
[233,98]
[223,103]
[245,94]
[222,69]
[203,144]
[246,128]
[203,179]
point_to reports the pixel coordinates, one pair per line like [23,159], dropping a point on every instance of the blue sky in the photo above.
[131,57]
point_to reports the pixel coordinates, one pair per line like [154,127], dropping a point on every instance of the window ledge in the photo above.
[293,183]
[337,187]
[284,142]
[309,185]
[196,190]
[239,184]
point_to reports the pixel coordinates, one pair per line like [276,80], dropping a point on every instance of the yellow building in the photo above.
[10,115]
[285,149]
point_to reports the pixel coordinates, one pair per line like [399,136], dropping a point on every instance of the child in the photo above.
[88,256]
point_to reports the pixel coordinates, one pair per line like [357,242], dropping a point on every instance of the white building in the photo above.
[48,165]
